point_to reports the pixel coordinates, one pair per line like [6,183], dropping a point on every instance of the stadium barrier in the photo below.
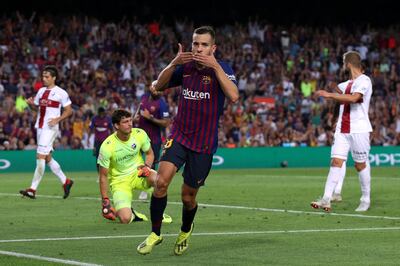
[265,157]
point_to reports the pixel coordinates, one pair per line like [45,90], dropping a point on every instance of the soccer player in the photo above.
[352,132]
[153,116]
[50,99]
[102,127]
[194,134]
[121,162]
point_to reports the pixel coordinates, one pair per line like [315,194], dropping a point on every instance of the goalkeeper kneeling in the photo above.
[121,164]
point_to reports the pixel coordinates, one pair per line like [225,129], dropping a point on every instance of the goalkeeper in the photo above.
[122,165]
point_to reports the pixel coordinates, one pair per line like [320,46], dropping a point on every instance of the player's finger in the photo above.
[180,50]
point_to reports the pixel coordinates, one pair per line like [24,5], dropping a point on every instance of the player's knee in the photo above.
[162,185]
[188,202]
[360,166]
[336,162]
[125,219]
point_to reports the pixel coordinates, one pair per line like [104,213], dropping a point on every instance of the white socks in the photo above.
[56,169]
[365,182]
[39,171]
[338,188]
[331,182]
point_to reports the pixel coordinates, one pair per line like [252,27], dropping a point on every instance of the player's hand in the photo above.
[107,211]
[30,101]
[53,122]
[145,113]
[206,60]
[144,171]
[322,93]
[182,57]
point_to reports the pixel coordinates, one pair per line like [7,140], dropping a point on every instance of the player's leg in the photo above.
[42,151]
[172,160]
[195,173]
[122,198]
[339,153]
[337,193]
[54,165]
[158,204]
[360,152]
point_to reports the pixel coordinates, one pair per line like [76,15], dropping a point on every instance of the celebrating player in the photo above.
[194,134]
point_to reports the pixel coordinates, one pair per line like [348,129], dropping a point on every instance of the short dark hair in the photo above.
[205,30]
[118,115]
[101,110]
[52,70]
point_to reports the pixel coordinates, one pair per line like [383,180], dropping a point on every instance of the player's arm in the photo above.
[162,122]
[166,74]
[228,86]
[66,113]
[343,98]
[103,182]
[149,157]
[107,210]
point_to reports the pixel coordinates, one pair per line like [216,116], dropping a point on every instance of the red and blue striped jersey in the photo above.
[200,105]
[158,109]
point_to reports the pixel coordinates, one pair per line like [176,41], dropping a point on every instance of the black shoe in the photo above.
[67,187]
[30,193]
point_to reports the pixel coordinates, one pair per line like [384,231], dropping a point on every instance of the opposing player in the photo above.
[352,132]
[121,163]
[50,99]
[194,134]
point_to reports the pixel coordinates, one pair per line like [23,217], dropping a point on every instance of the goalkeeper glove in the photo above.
[144,171]
[107,211]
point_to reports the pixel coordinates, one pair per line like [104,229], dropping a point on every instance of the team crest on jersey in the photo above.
[133,146]
[152,108]
[206,79]
[168,143]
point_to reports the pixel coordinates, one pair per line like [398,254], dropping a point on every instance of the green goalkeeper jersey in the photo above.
[123,157]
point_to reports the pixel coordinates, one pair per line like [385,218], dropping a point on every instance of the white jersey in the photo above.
[353,118]
[50,102]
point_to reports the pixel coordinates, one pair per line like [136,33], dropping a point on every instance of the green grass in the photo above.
[246,217]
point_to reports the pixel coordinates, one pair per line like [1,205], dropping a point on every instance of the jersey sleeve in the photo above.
[163,109]
[144,139]
[342,87]
[362,86]
[105,154]
[229,72]
[177,76]
[65,100]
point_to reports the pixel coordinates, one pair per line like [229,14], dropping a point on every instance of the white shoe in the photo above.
[364,206]
[321,204]
[143,195]
[336,197]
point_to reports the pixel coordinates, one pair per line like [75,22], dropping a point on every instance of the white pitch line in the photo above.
[318,213]
[208,234]
[36,257]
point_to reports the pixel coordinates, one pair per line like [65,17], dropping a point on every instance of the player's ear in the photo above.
[214,48]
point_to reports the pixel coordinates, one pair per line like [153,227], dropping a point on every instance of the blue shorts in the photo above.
[197,165]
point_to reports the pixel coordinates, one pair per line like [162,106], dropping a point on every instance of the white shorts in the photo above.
[45,138]
[357,143]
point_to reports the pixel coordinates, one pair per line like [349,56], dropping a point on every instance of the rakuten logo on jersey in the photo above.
[195,95]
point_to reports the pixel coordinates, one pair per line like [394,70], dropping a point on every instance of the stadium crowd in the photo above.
[278,69]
